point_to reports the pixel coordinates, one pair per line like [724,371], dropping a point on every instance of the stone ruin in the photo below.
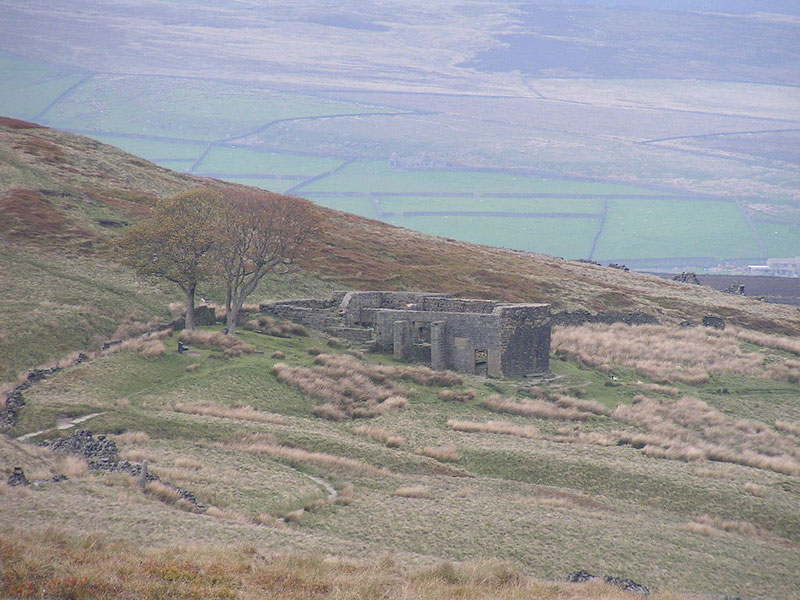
[483,337]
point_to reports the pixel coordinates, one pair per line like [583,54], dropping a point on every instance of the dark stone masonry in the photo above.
[470,336]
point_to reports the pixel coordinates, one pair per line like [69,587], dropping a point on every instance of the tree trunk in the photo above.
[232,317]
[190,307]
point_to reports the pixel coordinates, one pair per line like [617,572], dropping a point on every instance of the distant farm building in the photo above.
[483,337]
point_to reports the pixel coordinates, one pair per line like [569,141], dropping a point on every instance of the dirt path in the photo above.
[61,425]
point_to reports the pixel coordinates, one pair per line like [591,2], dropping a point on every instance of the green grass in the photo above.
[54,304]
[376,177]
[565,237]
[781,239]
[549,507]
[231,160]
[27,87]
[182,108]
[675,228]
[488,204]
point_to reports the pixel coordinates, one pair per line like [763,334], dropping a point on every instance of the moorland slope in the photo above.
[65,198]
[662,454]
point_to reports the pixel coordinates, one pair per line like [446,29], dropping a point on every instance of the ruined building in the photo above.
[471,336]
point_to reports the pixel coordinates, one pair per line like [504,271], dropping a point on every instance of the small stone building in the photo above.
[470,336]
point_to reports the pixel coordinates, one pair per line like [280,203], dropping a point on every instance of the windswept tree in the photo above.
[258,233]
[175,241]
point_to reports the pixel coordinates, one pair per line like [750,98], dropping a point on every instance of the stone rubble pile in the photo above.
[17,477]
[102,455]
[626,584]
[14,399]
[687,277]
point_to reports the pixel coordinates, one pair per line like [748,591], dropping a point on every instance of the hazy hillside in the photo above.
[663,137]
[66,198]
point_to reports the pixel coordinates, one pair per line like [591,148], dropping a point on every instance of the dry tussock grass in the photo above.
[440,453]
[667,354]
[708,525]
[792,427]
[779,342]
[575,436]
[269,446]
[193,367]
[163,492]
[502,427]
[132,437]
[276,328]
[241,412]
[138,455]
[189,463]
[754,489]
[153,349]
[50,563]
[414,491]
[689,429]
[263,519]
[534,408]
[657,388]
[380,434]
[350,388]
[176,309]
[452,395]
[232,345]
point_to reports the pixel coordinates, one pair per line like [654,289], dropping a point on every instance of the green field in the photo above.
[375,176]
[182,108]
[231,160]
[272,184]
[568,238]
[675,228]
[779,238]
[392,204]
[27,87]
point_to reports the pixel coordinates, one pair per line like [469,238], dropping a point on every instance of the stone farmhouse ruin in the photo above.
[484,337]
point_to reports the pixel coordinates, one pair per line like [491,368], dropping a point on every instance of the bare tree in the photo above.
[258,233]
[175,241]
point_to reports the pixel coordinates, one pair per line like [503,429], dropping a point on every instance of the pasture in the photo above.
[551,476]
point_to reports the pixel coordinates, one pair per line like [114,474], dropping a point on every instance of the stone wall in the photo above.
[313,313]
[471,336]
[581,317]
[524,339]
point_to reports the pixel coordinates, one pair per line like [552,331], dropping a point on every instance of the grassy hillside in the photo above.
[691,489]
[660,454]
[65,198]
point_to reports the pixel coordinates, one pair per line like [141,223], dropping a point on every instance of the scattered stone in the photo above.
[715,322]
[82,443]
[618,266]
[102,455]
[109,343]
[688,324]
[59,478]
[626,584]
[735,288]
[687,277]
[14,400]
[17,477]
[580,317]
[580,577]
[588,261]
